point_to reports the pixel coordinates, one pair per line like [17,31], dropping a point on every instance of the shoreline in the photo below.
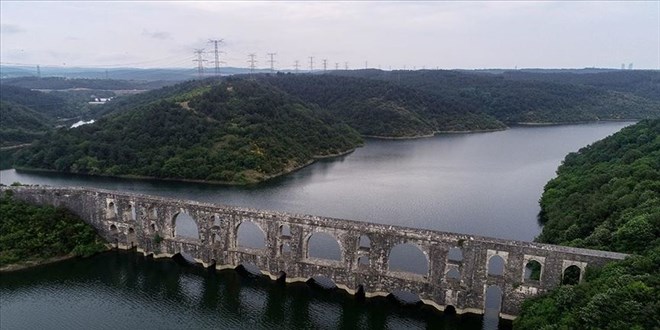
[224,183]
[34,263]
[532,124]
[414,137]
[29,264]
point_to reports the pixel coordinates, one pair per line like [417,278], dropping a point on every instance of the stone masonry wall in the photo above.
[135,221]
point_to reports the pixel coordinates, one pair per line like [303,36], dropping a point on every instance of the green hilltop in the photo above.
[236,131]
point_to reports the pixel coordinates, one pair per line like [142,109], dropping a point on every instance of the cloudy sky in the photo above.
[457,34]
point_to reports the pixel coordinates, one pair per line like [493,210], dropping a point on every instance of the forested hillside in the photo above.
[237,131]
[606,196]
[638,82]
[45,104]
[514,101]
[20,124]
[377,108]
[30,233]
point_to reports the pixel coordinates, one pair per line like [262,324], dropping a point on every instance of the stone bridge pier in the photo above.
[460,270]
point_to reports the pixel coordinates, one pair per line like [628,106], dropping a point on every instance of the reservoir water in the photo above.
[484,183]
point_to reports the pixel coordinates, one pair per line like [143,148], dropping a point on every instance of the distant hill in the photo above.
[377,108]
[60,83]
[48,105]
[514,101]
[20,124]
[236,131]
[641,83]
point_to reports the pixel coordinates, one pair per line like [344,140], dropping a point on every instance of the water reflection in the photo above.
[127,290]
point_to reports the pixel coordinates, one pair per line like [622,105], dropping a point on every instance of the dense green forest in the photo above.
[48,105]
[20,124]
[377,108]
[644,83]
[33,233]
[606,196]
[236,131]
[515,101]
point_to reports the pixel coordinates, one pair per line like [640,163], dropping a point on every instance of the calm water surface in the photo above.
[484,184]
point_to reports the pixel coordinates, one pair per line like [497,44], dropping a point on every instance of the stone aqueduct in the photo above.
[133,221]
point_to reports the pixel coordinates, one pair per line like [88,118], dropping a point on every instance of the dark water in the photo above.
[122,290]
[484,184]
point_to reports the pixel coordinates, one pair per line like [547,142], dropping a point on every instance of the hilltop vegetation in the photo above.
[517,101]
[32,233]
[376,108]
[641,83]
[606,196]
[236,131]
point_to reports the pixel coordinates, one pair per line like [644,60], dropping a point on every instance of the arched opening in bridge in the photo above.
[408,258]
[131,209]
[184,258]
[365,242]
[533,271]
[250,235]
[493,298]
[405,297]
[185,226]
[322,282]
[111,210]
[450,310]
[455,254]
[571,275]
[285,249]
[323,246]
[363,262]
[113,229]
[131,238]
[249,269]
[454,274]
[216,221]
[153,227]
[360,293]
[212,238]
[281,277]
[285,231]
[495,266]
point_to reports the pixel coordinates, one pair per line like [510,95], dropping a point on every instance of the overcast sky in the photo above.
[447,35]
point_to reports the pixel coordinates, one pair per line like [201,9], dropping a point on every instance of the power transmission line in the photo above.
[272,62]
[200,62]
[296,65]
[252,62]
[325,65]
[311,63]
[215,43]
[336,65]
